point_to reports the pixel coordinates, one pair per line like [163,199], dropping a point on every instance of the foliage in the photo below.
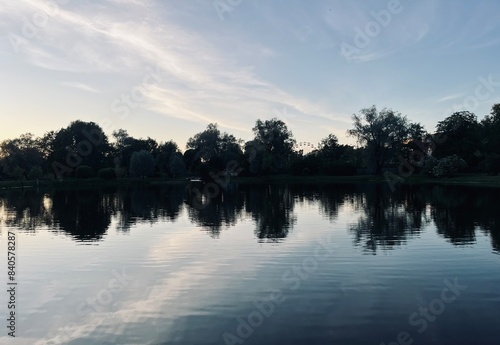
[166,152]
[35,173]
[385,138]
[463,137]
[448,166]
[429,165]
[340,169]
[490,164]
[211,142]
[81,143]
[271,150]
[107,173]
[329,147]
[20,154]
[125,146]
[18,173]
[142,164]
[382,133]
[309,165]
[177,168]
[490,128]
[84,171]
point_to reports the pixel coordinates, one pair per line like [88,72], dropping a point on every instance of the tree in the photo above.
[81,143]
[166,151]
[463,137]
[382,133]
[84,172]
[207,143]
[490,128]
[125,145]
[329,148]
[272,148]
[19,156]
[177,167]
[191,160]
[142,164]
[212,143]
[211,150]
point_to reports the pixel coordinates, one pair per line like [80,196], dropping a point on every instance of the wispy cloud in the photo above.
[199,84]
[450,97]
[255,61]
[80,86]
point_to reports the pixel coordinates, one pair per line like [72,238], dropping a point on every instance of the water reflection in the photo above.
[143,204]
[271,207]
[380,219]
[388,219]
[83,214]
[222,209]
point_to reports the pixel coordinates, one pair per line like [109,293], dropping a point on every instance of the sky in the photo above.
[166,69]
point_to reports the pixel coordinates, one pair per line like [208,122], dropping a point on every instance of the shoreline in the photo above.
[460,180]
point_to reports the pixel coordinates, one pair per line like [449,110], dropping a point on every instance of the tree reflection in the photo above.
[28,209]
[387,219]
[84,214]
[214,209]
[148,204]
[271,207]
[454,214]
[382,219]
[329,197]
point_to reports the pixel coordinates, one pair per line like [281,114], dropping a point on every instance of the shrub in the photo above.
[35,173]
[449,166]
[142,164]
[339,169]
[491,164]
[177,167]
[107,173]
[84,171]
[18,173]
[429,165]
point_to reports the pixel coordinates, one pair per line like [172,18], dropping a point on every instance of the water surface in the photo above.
[328,264]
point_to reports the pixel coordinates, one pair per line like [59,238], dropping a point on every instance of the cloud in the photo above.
[80,86]
[200,83]
[450,97]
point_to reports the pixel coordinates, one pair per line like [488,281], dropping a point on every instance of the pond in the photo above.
[253,264]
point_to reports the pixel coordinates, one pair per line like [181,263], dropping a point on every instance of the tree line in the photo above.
[386,141]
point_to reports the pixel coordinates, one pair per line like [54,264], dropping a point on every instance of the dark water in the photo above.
[338,264]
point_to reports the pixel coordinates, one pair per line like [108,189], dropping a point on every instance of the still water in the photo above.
[265,264]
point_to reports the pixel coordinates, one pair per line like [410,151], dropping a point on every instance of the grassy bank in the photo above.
[461,180]
[308,179]
[464,179]
[72,182]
